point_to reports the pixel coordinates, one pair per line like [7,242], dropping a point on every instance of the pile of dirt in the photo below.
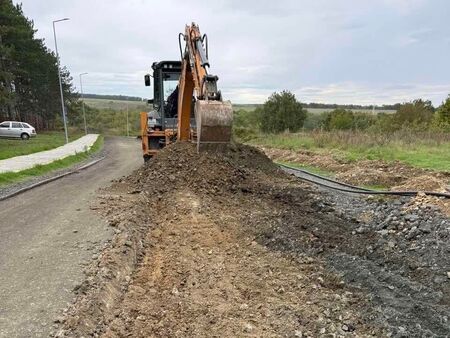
[189,257]
[422,200]
[324,160]
[227,245]
[423,183]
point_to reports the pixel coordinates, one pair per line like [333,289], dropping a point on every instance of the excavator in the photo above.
[187,105]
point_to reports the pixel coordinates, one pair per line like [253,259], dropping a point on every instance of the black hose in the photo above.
[323,177]
[359,190]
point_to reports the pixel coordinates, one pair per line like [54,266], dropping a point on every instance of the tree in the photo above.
[282,112]
[443,115]
[416,114]
[29,88]
[339,118]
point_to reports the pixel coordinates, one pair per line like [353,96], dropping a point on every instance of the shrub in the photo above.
[282,112]
[442,116]
[413,115]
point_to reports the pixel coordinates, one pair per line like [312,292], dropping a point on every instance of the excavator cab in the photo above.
[159,125]
[187,105]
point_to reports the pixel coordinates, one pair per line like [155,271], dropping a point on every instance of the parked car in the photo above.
[17,129]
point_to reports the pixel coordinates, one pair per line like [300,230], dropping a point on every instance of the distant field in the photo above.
[250,107]
[116,104]
[247,107]
[368,111]
[143,106]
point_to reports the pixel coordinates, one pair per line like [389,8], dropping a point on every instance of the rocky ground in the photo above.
[227,245]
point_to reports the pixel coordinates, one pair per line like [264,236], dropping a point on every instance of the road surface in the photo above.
[47,235]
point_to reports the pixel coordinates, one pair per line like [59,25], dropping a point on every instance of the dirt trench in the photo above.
[225,245]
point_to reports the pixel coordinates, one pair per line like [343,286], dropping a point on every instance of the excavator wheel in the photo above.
[214,122]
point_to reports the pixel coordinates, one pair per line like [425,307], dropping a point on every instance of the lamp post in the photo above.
[82,102]
[128,126]
[60,82]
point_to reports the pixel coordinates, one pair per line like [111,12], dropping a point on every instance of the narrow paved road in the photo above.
[47,235]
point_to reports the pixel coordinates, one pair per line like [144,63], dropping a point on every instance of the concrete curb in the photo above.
[51,179]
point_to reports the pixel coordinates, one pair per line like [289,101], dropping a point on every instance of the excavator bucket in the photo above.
[214,121]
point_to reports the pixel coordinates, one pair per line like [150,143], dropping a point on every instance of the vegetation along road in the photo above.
[46,236]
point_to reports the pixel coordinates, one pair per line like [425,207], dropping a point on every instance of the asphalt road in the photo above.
[47,235]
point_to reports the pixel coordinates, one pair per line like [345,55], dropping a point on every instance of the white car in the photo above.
[17,129]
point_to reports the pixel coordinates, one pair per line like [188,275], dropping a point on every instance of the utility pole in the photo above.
[82,103]
[60,82]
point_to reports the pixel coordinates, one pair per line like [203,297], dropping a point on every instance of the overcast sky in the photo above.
[352,51]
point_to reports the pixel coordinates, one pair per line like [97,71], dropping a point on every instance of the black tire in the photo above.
[24,136]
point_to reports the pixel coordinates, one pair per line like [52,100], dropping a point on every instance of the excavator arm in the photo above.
[213,116]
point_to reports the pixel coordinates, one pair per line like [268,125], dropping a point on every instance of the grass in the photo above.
[38,170]
[117,104]
[425,150]
[43,141]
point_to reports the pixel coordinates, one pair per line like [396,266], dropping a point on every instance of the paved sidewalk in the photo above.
[20,163]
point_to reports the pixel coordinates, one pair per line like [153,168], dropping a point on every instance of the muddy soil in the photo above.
[227,245]
[395,174]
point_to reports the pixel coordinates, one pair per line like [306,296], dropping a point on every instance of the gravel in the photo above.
[399,253]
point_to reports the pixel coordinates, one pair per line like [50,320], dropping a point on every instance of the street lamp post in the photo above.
[60,82]
[128,126]
[82,102]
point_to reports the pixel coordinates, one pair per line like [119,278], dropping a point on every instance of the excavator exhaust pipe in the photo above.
[214,122]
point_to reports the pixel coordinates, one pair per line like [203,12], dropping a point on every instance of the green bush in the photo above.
[281,112]
[416,115]
[442,116]
[246,124]
[315,120]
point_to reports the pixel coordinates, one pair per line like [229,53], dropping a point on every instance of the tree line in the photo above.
[113,97]
[283,112]
[29,87]
[352,106]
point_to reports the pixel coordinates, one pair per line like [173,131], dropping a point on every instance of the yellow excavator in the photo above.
[187,106]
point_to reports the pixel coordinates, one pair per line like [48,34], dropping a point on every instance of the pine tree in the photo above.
[29,88]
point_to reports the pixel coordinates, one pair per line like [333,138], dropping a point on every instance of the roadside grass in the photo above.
[425,150]
[43,141]
[38,170]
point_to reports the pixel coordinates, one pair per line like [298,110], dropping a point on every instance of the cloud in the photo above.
[257,47]
[405,7]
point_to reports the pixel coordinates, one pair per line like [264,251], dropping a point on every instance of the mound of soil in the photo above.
[189,259]
[227,245]
[423,183]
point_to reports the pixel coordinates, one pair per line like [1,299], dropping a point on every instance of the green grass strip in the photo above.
[43,141]
[38,170]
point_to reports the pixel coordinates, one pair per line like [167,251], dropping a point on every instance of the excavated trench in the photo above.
[227,245]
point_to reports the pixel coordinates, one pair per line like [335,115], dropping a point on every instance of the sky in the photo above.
[347,51]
